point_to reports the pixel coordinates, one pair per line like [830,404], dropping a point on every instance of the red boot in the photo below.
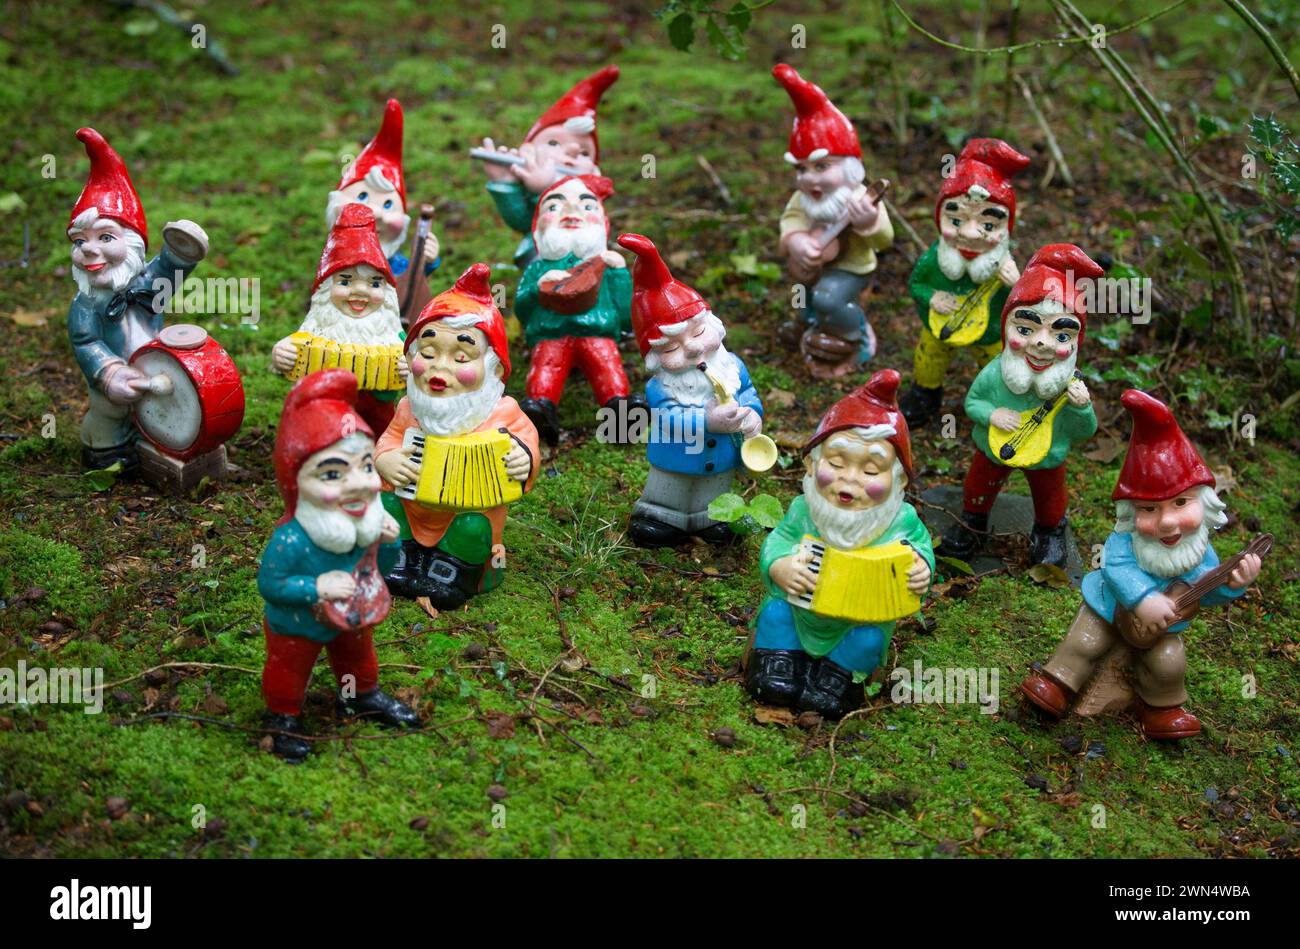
[1169,723]
[1048,694]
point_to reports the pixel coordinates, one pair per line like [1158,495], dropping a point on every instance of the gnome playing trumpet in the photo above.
[857,465]
[961,283]
[832,331]
[1165,508]
[118,306]
[1029,406]
[564,137]
[695,438]
[319,574]
[459,362]
[375,178]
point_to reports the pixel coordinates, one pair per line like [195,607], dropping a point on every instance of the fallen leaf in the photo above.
[1049,575]
[573,663]
[501,725]
[1107,450]
[215,705]
[792,440]
[781,398]
[29,317]
[423,603]
[1224,479]
[771,715]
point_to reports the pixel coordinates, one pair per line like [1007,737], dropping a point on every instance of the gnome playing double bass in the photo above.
[118,306]
[1165,508]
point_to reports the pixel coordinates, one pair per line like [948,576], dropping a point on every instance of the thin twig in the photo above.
[1052,145]
[181,665]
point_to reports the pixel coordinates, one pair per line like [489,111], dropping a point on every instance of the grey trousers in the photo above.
[106,424]
[834,307]
[680,501]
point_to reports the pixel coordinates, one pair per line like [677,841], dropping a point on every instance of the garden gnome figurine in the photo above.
[320,572]
[1031,399]
[694,437]
[459,362]
[120,298]
[961,283]
[375,178]
[563,137]
[831,331]
[857,465]
[572,301]
[1165,510]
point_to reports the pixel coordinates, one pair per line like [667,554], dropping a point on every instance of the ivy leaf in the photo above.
[681,31]
[766,510]
[101,479]
[1268,131]
[739,17]
[727,508]
[725,39]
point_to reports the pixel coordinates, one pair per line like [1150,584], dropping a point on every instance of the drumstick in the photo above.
[505,158]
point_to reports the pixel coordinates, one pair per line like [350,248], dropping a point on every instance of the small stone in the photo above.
[858,809]
[568,593]
[419,823]
[1072,743]
[725,737]
[6,723]
[1036,781]
[808,720]
[474,651]
[214,828]
[116,807]
[156,676]
[1211,794]
[641,711]
[959,765]
[497,792]
[1096,749]
[34,808]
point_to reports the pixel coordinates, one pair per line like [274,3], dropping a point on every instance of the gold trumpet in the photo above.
[758,452]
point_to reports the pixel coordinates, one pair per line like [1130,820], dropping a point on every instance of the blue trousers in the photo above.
[859,651]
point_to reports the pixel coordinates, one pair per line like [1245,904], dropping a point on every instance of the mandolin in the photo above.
[967,323]
[1032,439]
[368,606]
[412,286]
[1187,596]
[827,233]
[576,293]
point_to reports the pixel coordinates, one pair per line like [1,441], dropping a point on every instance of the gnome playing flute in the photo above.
[1042,331]
[832,331]
[375,178]
[120,297]
[1165,509]
[327,551]
[564,136]
[961,283]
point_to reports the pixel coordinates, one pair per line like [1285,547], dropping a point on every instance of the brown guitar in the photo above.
[368,606]
[576,293]
[412,286]
[1187,596]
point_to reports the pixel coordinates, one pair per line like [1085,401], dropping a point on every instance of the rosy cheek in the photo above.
[467,376]
[418,365]
[825,476]
[330,496]
[595,217]
[1016,343]
[1063,352]
[876,491]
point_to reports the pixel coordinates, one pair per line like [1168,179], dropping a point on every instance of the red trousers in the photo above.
[597,357]
[289,660]
[986,478]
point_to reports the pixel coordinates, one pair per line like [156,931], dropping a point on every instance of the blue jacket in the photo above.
[679,441]
[399,262]
[1121,580]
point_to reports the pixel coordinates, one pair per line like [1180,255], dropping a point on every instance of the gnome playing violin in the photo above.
[832,331]
[1029,405]
[1165,509]
[562,142]
[374,178]
[320,572]
[455,398]
[857,465]
[961,283]
[572,300]
[118,305]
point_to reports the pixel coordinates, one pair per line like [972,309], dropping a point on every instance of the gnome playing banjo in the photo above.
[117,309]
[562,142]
[1158,567]
[1030,406]
[961,283]
[848,559]
[458,450]
[320,572]
[831,229]
[572,301]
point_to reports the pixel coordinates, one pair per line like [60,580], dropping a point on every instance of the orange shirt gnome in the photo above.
[458,450]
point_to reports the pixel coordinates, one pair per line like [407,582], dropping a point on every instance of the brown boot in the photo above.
[1048,694]
[1169,723]
[789,333]
[828,357]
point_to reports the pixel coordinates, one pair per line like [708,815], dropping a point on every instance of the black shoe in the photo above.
[545,417]
[404,578]
[98,458]
[645,531]
[965,537]
[920,404]
[636,415]
[292,748]
[829,690]
[449,581]
[776,676]
[377,705]
[1047,544]
[718,533]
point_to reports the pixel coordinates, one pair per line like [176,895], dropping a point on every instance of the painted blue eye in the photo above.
[363,196]
[1063,337]
[1023,330]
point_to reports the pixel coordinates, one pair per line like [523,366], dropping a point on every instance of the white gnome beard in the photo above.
[691,386]
[1161,561]
[455,414]
[954,266]
[337,531]
[845,529]
[334,207]
[830,208]
[381,328]
[119,276]
[553,243]
[1048,384]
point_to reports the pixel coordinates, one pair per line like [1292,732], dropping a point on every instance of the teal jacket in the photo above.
[516,205]
[989,392]
[611,312]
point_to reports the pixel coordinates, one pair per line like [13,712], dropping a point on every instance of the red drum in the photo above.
[197,398]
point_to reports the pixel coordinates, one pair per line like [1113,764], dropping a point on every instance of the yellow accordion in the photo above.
[865,585]
[461,472]
[374,366]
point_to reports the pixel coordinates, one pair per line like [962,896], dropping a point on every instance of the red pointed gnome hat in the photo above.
[600,186]
[581,100]
[1052,273]
[352,241]
[875,403]
[471,294]
[818,125]
[1161,461]
[384,152]
[990,163]
[319,411]
[658,300]
[108,187]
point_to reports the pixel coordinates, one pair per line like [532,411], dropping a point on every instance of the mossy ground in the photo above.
[592,766]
